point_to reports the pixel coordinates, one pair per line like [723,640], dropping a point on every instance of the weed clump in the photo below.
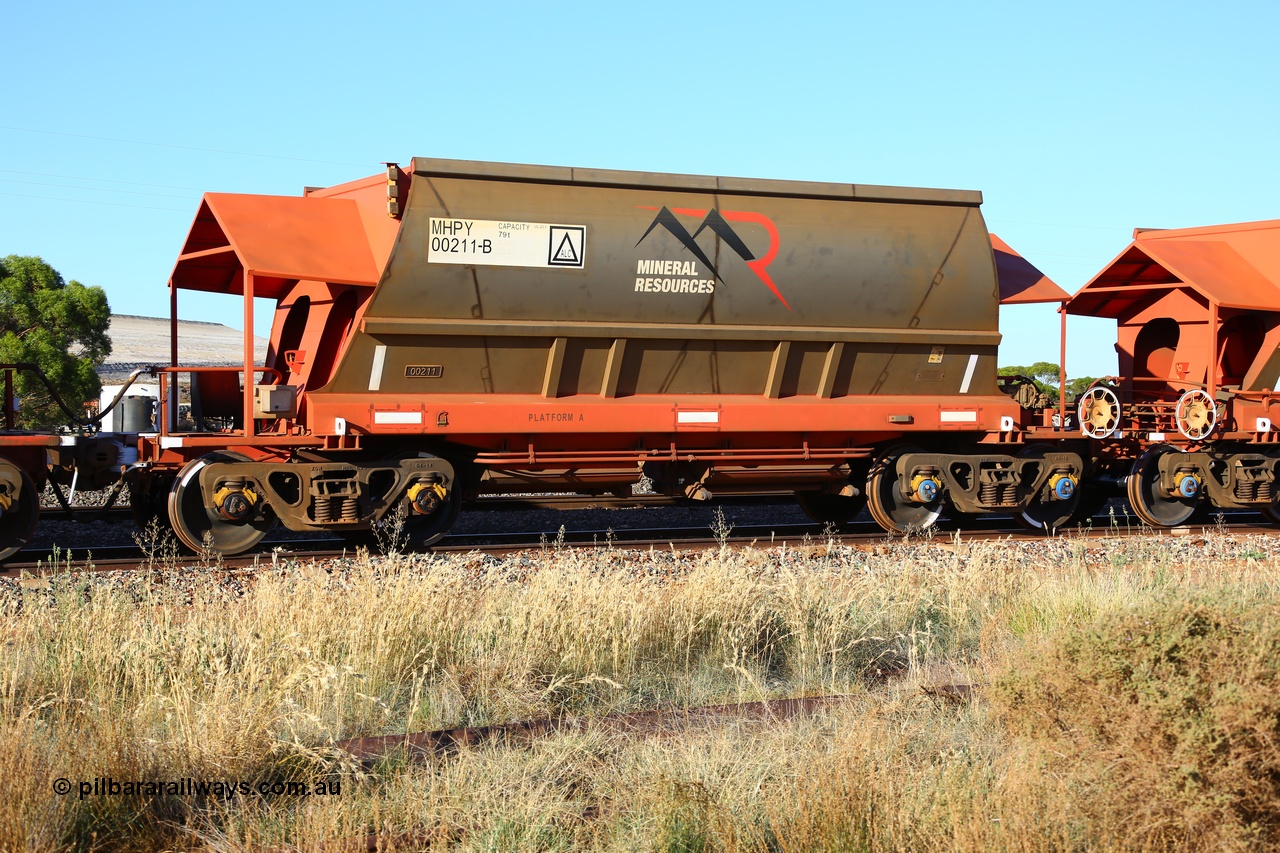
[1166,715]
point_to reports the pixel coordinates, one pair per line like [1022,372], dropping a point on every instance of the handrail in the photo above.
[75,420]
[218,368]
[164,372]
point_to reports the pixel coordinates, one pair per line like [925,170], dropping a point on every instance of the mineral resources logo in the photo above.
[658,276]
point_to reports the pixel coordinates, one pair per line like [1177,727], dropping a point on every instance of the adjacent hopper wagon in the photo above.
[1190,423]
[24,464]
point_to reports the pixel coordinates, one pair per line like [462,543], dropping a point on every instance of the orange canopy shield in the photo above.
[1231,266]
[1020,282]
[279,239]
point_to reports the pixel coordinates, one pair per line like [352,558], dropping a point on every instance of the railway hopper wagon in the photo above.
[1191,422]
[24,469]
[460,328]
[29,460]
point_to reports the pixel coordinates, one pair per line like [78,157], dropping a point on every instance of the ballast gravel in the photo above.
[181,581]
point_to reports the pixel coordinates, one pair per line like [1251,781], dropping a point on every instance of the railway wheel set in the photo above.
[19,509]
[457,329]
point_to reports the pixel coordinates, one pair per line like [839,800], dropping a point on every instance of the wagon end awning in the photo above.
[1236,265]
[279,239]
[1021,283]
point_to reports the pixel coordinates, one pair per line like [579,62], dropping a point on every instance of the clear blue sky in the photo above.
[1078,121]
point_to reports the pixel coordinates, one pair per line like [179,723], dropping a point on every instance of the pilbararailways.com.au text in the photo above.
[107,786]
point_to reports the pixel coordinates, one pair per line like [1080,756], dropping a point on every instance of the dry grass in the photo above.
[1128,700]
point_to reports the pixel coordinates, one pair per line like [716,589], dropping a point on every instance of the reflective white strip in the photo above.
[697,417]
[397,417]
[1155,436]
[170,441]
[67,441]
[340,426]
[375,375]
[958,417]
[968,374]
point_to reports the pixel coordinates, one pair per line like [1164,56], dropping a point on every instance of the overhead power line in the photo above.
[1057,224]
[90,189]
[67,177]
[105,203]
[178,147]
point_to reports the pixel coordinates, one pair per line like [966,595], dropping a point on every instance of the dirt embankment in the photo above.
[139,341]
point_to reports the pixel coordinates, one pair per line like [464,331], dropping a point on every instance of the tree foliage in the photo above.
[1077,386]
[59,325]
[1043,372]
[1045,376]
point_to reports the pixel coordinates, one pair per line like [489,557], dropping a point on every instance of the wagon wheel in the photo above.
[830,509]
[18,522]
[892,509]
[416,533]
[421,532]
[199,526]
[1271,512]
[1152,503]
[1099,412]
[413,530]
[1046,513]
[1196,414]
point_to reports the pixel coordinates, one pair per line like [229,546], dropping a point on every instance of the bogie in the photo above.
[1038,486]
[227,503]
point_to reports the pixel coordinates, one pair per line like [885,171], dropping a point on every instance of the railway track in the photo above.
[424,747]
[420,746]
[499,543]
[488,503]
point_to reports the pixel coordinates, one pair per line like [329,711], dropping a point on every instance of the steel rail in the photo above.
[862,535]
[420,746]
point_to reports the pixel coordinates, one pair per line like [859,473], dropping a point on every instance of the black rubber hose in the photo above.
[32,367]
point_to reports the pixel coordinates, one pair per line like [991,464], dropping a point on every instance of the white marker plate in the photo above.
[490,242]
